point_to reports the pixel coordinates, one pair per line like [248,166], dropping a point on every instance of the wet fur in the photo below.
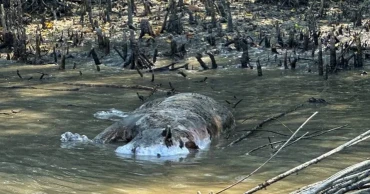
[183,118]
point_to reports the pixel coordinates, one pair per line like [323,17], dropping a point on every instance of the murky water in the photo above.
[34,161]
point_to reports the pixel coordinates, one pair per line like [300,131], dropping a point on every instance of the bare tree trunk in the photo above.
[18,30]
[229,18]
[174,20]
[130,12]
[108,10]
[213,13]
[3,19]
[321,11]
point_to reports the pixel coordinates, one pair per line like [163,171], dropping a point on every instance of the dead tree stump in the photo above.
[145,28]
[333,54]
[359,58]
[245,56]
[259,68]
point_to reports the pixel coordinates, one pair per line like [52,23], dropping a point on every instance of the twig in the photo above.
[284,125]
[270,132]
[268,160]
[352,142]
[262,123]
[245,118]
[236,104]
[307,137]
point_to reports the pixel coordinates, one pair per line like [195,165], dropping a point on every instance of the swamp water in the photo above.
[33,160]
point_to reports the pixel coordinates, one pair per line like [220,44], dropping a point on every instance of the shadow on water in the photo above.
[33,159]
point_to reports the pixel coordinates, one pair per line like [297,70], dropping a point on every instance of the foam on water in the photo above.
[155,150]
[74,137]
[112,114]
[160,149]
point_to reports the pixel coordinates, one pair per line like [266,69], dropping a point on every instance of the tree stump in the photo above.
[146,28]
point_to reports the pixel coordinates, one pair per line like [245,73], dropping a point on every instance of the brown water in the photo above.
[32,159]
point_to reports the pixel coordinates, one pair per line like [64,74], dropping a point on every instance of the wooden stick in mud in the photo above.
[155,54]
[198,56]
[236,104]
[262,123]
[333,55]
[259,68]
[359,60]
[63,62]
[19,75]
[271,157]
[293,63]
[139,72]
[244,60]
[95,57]
[352,142]
[286,60]
[213,60]
[119,53]
[55,55]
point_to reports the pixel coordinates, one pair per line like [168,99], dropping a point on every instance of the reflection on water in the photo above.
[33,161]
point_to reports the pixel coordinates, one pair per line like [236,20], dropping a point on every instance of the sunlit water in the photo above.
[33,160]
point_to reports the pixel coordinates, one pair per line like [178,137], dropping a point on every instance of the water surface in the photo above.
[34,161]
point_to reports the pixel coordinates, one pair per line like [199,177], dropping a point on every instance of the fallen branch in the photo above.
[307,137]
[264,122]
[282,134]
[137,87]
[352,142]
[352,178]
[268,160]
